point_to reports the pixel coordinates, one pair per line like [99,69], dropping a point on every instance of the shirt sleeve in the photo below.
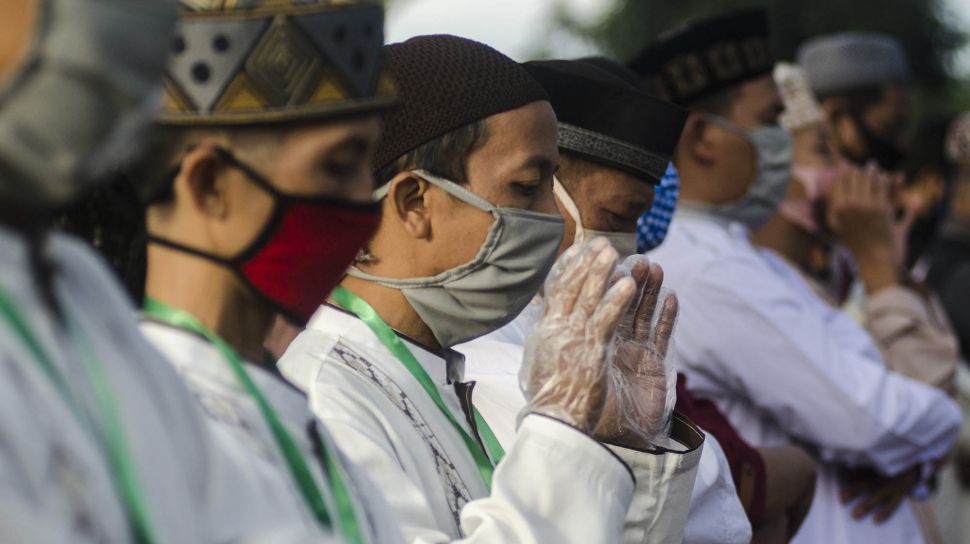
[664,484]
[815,373]
[554,484]
[913,335]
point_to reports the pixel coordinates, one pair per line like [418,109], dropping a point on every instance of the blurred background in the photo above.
[934,32]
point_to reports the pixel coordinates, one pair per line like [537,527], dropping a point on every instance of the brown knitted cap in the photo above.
[444,83]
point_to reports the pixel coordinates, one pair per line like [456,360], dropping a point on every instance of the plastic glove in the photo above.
[642,381]
[564,368]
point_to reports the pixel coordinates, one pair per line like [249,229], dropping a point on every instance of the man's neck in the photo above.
[212,294]
[391,305]
[787,240]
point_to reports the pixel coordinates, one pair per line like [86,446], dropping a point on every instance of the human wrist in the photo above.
[877,267]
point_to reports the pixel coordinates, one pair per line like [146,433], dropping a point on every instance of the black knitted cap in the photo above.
[444,83]
[705,57]
[608,120]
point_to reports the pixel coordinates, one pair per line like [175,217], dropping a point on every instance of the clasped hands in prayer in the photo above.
[596,359]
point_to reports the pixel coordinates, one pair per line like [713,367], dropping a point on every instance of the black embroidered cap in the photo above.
[705,57]
[608,120]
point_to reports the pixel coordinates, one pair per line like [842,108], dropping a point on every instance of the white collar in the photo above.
[342,325]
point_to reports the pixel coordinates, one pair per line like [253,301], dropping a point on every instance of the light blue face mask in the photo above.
[773,147]
[489,291]
[653,225]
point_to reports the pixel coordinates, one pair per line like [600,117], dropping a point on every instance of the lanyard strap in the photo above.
[113,438]
[291,452]
[393,343]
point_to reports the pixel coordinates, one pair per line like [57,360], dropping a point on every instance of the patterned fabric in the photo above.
[652,226]
[446,82]
[704,57]
[801,108]
[258,61]
[454,487]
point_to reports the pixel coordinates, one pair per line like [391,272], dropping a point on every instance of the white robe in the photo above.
[242,432]
[714,515]
[554,484]
[55,483]
[786,368]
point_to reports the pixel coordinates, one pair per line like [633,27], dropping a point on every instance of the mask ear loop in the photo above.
[448,186]
[567,201]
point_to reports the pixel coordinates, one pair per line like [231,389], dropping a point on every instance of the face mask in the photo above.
[805,213]
[302,251]
[653,225]
[886,154]
[625,243]
[773,147]
[83,98]
[487,292]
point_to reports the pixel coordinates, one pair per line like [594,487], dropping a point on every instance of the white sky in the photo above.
[512,26]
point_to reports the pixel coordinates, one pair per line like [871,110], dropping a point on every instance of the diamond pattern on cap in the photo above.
[210,54]
[352,41]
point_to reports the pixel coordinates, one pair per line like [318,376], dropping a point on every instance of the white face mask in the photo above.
[625,243]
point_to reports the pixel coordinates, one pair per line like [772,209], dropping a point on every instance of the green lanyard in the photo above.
[291,452]
[393,343]
[113,439]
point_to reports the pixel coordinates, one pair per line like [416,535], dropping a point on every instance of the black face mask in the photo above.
[886,154]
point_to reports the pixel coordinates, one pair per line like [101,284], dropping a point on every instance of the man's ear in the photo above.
[695,142]
[407,200]
[201,181]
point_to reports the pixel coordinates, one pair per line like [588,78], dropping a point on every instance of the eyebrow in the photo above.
[353,143]
[541,163]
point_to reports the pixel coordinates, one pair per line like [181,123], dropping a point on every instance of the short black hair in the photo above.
[110,218]
[445,156]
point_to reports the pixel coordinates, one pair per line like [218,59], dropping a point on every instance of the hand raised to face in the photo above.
[565,364]
[640,395]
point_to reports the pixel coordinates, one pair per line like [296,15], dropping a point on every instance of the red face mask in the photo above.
[302,251]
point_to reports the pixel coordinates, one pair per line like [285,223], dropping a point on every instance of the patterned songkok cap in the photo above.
[262,61]
[703,58]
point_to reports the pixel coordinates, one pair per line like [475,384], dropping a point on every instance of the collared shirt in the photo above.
[785,367]
[243,433]
[714,513]
[56,483]
[555,484]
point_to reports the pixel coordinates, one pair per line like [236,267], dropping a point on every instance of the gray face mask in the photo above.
[489,291]
[81,100]
[773,146]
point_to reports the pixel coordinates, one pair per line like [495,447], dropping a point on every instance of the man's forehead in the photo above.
[524,137]
[757,99]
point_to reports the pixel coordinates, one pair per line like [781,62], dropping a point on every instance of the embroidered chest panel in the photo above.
[455,491]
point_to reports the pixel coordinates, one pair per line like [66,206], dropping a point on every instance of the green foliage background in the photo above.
[928,32]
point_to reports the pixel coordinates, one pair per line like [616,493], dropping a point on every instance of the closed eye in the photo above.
[528,189]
